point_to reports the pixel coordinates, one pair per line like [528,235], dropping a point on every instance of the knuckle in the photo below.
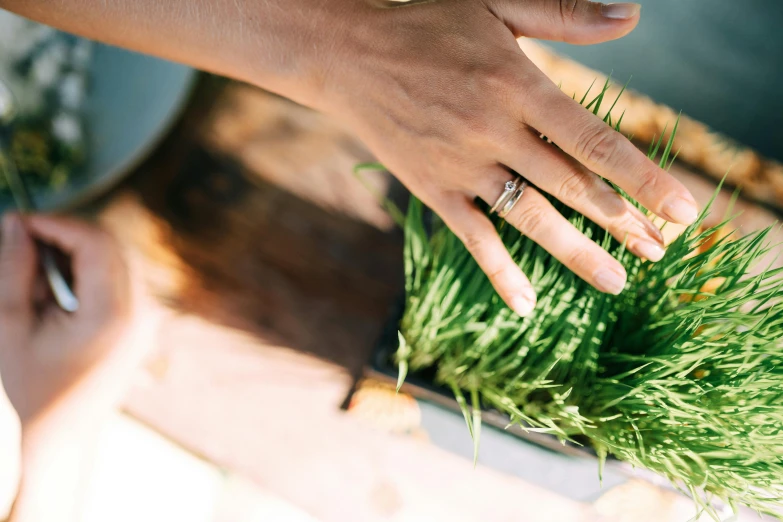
[473,242]
[530,219]
[575,186]
[627,223]
[568,10]
[496,274]
[597,144]
[648,183]
[527,93]
[579,257]
[500,78]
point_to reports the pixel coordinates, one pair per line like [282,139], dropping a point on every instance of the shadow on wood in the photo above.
[276,235]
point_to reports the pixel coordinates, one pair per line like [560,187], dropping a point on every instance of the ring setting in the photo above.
[512,193]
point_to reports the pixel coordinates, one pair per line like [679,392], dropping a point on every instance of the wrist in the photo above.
[56,467]
[10,456]
[59,432]
[294,53]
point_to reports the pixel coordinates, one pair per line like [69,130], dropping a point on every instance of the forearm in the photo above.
[10,443]
[272,43]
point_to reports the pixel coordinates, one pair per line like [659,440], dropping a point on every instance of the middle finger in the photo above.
[565,178]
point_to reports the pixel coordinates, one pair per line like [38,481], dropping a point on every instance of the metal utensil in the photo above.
[63,294]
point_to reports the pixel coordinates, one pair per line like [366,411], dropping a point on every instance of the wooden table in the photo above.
[277,268]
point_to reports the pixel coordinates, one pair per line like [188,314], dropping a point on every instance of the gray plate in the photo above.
[133,102]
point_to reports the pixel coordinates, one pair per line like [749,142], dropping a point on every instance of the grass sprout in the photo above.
[681,374]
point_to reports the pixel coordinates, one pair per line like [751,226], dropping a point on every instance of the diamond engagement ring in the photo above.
[512,193]
[508,190]
[514,199]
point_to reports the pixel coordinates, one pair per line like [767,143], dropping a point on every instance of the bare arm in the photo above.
[63,373]
[442,94]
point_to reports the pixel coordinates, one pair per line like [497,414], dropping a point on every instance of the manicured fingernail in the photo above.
[609,281]
[649,229]
[649,250]
[620,11]
[523,305]
[680,211]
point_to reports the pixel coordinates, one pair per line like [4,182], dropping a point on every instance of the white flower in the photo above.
[81,54]
[46,69]
[67,128]
[72,91]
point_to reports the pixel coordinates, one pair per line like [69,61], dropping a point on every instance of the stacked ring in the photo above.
[512,193]
[508,190]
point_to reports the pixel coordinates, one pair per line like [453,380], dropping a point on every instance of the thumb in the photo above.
[573,21]
[18,268]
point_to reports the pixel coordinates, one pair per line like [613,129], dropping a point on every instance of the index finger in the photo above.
[17,270]
[600,148]
[93,256]
[73,237]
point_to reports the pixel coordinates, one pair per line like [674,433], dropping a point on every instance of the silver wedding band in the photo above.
[512,193]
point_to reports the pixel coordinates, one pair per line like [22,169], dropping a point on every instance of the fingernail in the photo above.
[620,11]
[649,250]
[609,281]
[522,305]
[648,228]
[653,231]
[680,211]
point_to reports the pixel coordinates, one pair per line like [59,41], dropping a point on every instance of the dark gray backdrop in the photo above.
[719,61]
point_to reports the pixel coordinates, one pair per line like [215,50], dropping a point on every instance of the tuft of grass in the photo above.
[681,374]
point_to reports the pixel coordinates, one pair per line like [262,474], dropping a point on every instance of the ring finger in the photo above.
[535,217]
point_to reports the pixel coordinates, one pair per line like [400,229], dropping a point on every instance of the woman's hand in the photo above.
[59,368]
[63,373]
[444,96]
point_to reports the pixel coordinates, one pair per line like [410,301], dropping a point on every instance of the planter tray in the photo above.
[383,368]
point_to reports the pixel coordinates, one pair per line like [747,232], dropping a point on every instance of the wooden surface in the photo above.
[277,268]
[261,219]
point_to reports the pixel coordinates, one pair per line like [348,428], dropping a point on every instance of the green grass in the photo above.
[669,376]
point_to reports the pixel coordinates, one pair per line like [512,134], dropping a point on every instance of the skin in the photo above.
[441,93]
[63,373]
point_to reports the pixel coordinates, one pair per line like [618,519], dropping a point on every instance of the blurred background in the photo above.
[718,62]
[273,279]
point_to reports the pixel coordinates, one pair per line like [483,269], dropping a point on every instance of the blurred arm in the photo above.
[56,468]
